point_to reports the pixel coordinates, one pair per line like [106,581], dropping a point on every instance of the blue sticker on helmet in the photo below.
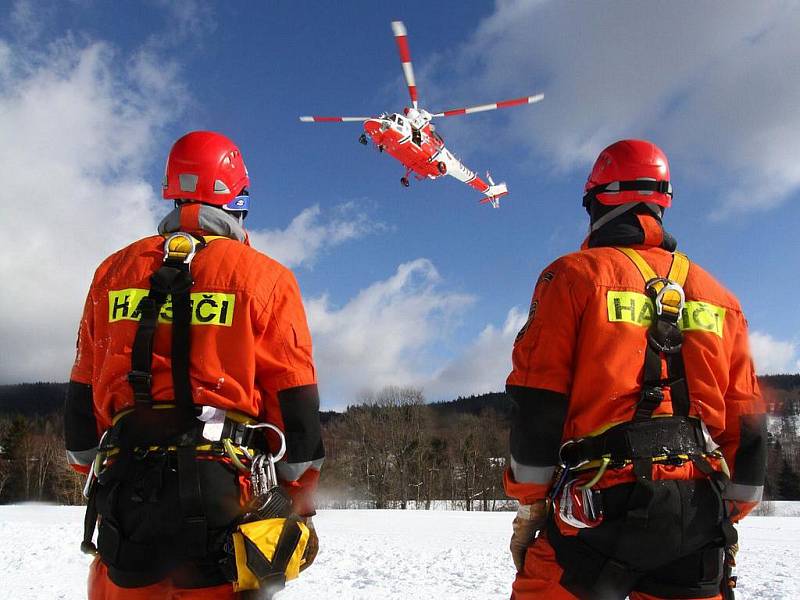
[239,203]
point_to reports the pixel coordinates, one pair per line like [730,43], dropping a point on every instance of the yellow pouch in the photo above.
[268,549]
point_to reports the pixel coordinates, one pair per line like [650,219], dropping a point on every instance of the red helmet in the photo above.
[630,171]
[206,167]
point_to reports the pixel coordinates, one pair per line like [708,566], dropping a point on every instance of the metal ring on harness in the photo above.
[282,451]
[562,463]
[227,444]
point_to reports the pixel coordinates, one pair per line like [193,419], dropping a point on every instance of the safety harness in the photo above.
[646,438]
[153,439]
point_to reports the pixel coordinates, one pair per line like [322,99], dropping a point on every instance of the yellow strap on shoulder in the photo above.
[677,272]
[645,269]
[679,269]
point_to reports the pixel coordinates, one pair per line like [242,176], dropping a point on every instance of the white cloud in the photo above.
[79,125]
[483,365]
[309,234]
[385,334]
[772,356]
[716,85]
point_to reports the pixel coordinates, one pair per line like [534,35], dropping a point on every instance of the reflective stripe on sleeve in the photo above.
[743,493]
[81,457]
[293,471]
[530,474]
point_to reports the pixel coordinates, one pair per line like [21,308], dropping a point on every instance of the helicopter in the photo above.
[412,138]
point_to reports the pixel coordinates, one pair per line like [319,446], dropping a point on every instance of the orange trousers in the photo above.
[102,588]
[541,576]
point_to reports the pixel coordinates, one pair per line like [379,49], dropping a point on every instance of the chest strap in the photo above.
[664,337]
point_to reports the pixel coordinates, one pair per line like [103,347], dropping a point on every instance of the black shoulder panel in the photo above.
[300,410]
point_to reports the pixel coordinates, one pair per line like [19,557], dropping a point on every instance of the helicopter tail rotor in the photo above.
[401,37]
[494,192]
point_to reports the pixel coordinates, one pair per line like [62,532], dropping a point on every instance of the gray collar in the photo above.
[213,220]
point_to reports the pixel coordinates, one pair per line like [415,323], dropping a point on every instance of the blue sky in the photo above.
[412,286]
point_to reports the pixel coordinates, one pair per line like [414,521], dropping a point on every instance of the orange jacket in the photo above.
[250,347]
[578,365]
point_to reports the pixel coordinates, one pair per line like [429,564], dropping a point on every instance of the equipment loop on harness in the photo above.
[601,470]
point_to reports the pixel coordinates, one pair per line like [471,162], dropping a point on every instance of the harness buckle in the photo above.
[180,247]
[140,378]
[668,298]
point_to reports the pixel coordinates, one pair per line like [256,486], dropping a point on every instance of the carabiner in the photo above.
[231,452]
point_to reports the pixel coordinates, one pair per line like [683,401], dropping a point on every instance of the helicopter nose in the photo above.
[372,126]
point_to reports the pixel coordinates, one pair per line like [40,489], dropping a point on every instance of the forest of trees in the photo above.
[390,450]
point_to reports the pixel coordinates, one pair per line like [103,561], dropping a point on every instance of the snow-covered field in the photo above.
[372,554]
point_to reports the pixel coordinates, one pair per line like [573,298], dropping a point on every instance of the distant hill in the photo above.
[32,399]
[780,382]
[496,401]
[43,398]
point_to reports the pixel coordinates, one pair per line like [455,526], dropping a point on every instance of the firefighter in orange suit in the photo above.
[201,367]
[639,434]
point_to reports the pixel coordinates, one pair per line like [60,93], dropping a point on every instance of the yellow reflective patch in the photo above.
[638,309]
[208,308]
[702,316]
[630,307]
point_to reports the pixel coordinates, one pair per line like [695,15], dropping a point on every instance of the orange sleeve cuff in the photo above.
[526,493]
[302,492]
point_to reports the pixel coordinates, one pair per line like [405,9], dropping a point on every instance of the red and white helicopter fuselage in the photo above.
[411,138]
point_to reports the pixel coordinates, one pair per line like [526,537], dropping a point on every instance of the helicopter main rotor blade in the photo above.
[484,107]
[401,37]
[333,119]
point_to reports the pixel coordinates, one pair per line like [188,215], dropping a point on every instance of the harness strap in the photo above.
[140,376]
[182,319]
[195,526]
[644,268]
[634,440]
[664,338]
[90,520]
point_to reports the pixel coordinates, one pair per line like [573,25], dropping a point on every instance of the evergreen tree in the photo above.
[10,449]
[788,482]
